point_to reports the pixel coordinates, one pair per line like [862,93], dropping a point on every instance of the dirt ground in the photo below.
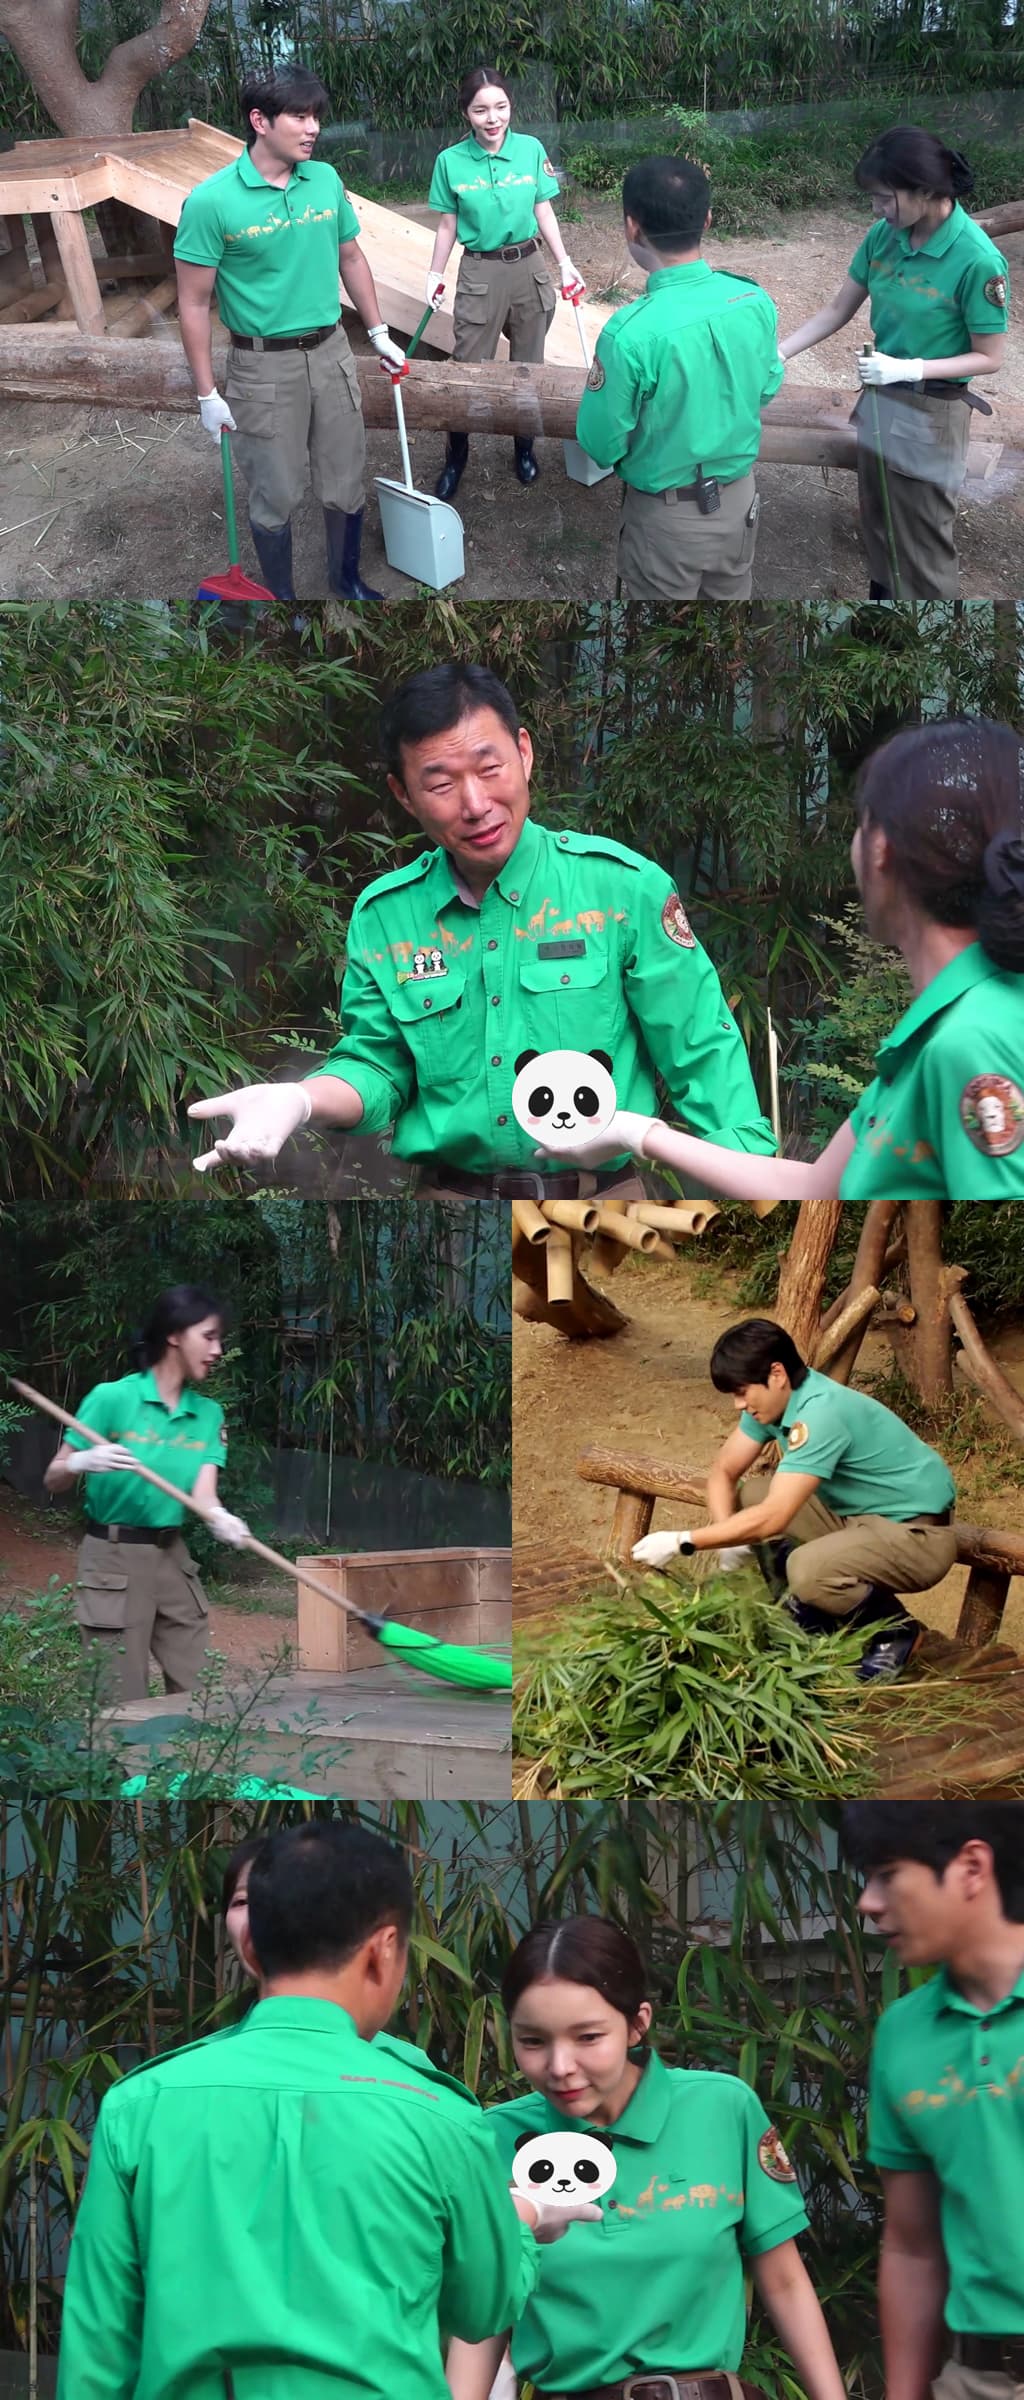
[647,1390]
[98,506]
[249,1621]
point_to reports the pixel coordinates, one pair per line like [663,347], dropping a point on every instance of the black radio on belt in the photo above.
[708,495]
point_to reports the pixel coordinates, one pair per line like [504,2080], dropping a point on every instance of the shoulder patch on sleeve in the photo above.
[995,291]
[773,2159]
[797,1435]
[595,379]
[992,1114]
[676,923]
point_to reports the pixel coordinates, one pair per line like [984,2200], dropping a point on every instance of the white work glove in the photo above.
[573,286]
[102,1458]
[625,1131]
[215,414]
[263,1115]
[656,1549]
[878,368]
[226,1527]
[388,352]
[547,2222]
[730,1559]
[433,287]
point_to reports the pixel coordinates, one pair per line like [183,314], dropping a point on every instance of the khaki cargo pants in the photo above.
[955,2382]
[495,296]
[668,551]
[839,1558]
[924,445]
[132,1598]
[299,415]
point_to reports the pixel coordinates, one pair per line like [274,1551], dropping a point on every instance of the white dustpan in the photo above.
[422,536]
[579,466]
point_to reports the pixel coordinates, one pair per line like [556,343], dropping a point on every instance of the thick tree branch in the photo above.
[42,35]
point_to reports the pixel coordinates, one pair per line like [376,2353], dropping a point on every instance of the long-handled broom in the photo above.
[448,1661]
[236,584]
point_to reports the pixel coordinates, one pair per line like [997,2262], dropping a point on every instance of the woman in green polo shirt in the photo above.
[137,1589]
[703,2188]
[938,289]
[939,859]
[494,191]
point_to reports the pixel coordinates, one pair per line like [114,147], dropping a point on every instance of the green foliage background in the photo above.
[113,1950]
[186,819]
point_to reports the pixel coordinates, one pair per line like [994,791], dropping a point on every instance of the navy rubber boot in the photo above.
[454,466]
[273,547]
[526,464]
[344,539]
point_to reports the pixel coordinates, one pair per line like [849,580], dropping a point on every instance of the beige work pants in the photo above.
[924,446]
[299,418]
[668,551]
[135,1598]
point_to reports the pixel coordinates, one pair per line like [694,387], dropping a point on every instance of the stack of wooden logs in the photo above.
[548,1236]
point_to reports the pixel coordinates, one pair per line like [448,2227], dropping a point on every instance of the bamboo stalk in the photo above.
[528,1222]
[617,1227]
[559,1259]
[578,1216]
[689,1217]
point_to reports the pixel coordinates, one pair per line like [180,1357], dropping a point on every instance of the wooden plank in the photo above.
[79,271]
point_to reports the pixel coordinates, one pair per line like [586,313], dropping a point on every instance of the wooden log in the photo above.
[606,1253]
[982,1606]
[79,269]
[1007,218]
[854,1319]
[497,397]
[49,254]
[929,1291]
[147,309]
[984,1373]
[35,303]
[649,1478]
[803,1271]
[591,1316]
[631,1521]
[868,1268]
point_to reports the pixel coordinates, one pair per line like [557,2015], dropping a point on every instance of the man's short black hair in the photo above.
[670,199]
[435,700]
[875,1833]
[295,88]
[747,1353]
[317,1892]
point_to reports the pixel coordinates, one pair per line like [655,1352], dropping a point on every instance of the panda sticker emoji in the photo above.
[563,1097]
[563,2168]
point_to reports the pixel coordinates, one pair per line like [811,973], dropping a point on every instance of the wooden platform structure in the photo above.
[456,1595]
[378,1734]
[54,182]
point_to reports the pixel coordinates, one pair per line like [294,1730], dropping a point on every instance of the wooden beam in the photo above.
[1008,218]
[79,269]
[982,1370]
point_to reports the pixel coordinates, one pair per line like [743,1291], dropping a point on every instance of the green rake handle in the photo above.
[230,519]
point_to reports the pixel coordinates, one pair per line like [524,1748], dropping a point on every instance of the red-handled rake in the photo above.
[236,584]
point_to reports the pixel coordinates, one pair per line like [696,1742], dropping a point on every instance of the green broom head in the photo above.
[447,1660]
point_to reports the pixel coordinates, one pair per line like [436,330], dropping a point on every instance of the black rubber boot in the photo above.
[273,547]
[526,464]
[879,591]
[454,466]
[344,536]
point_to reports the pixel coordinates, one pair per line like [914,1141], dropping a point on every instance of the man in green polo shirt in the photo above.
[329,2207]
[673,400]
[945,1887]
[867,1506]
[270,234]
[504,938]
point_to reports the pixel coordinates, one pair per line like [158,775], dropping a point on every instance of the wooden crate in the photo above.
[457,1595]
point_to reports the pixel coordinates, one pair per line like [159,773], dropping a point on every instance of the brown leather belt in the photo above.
[932,1516]
[291,341]
[676,2383]
[1003,2353]
[520,1184]
[512,250]
[161,1535]
[938,388]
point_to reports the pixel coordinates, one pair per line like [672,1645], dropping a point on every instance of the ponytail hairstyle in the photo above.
[949,796]
[586,1950]
[907,159]
[182,1305]
[481,79]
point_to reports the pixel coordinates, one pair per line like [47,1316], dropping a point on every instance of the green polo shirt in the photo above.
[174,1443]
[680,378]
[702,2184]
[867,1461]
[947,2094]
[944,1118]
[577,944]
[321,2207]
[929,302]
[275,251]
[493,192]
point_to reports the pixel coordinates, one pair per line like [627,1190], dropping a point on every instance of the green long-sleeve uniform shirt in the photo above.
[287,2214]
[578,944]
[679,379]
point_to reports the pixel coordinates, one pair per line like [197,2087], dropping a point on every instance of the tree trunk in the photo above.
[43,35]
[868,1268]
[929,1291]
[803,1272]
[982,1371]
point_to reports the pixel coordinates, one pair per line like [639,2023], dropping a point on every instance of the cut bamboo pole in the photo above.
[688,1217]
[616,1226]
[578,1216]
[558,1258]
[528,1221]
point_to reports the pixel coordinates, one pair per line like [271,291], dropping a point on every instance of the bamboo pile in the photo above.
[548,1239]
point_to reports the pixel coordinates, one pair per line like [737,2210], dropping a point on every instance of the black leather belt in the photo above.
[519,1184]
[1002,2353]
[689,491]
[511,251]
[938,388]
[932,1516]
[291,341]
[160,1535]
[677,2383]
